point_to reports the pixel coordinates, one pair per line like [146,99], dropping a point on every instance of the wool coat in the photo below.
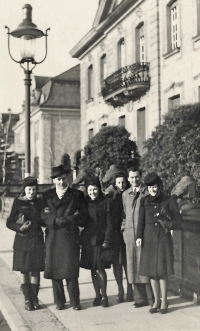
[157,247]
[96,232]
[117,241]
[131,204]
[62,247]
[29,246]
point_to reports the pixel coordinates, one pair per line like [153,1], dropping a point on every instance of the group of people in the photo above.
[129,228]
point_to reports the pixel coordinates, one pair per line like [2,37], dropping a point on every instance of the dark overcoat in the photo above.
[131,204]
[31,243]
[96,232]
[157,247]
[117,240]
[62,247]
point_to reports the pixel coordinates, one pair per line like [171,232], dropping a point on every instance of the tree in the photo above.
[111,145]
[173,149]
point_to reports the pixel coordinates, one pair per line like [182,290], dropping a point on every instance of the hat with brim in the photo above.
[58,171]
[151,179]
[113,170]
[29,181]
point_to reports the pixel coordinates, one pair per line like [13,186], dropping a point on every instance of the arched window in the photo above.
[102,69]
[121,53]
[90,82]
[140,43]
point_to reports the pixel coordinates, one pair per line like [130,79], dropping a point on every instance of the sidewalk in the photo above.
[182,315]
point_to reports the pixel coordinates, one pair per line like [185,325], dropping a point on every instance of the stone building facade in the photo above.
[139,59]
[55,122]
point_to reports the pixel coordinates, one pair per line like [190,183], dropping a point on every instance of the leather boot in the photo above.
[35,290]
[27,291]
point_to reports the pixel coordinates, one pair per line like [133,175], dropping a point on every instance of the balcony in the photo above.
[129,83]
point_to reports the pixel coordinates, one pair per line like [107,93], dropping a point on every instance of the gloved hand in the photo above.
[166,225]
[105,245]
[21,219]
[61,221]
[25,227]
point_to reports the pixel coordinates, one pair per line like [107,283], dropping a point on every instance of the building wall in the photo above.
[95,112]
[53,133]
[181,69]
[172,73]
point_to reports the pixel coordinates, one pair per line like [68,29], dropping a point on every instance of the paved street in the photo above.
[182,315]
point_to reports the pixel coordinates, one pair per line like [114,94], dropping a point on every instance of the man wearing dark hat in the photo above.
[64,212]
[131,204]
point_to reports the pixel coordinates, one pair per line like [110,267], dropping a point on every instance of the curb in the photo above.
[11,314]
[12,306]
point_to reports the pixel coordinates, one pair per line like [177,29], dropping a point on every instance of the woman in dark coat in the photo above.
[28,246]
[159,214]
[119,184]
[96,238]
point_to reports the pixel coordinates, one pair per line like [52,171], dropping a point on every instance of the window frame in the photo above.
[90,82]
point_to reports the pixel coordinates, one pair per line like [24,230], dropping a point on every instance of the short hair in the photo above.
[134,169]
[115,176]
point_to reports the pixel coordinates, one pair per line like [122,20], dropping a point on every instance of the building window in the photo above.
[174,102]
[36,166]
[90,133]
[104,125]
[173,29]
[102,69]
[36,130]
[121,53]
[141,129]
[90,82]
[198,17]
[140,43]
[23,169]
[122,121]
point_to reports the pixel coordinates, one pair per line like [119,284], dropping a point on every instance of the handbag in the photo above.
[106,256]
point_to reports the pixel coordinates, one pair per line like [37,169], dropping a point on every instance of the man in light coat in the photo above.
[131,204]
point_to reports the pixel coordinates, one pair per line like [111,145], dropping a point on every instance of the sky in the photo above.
[69,21]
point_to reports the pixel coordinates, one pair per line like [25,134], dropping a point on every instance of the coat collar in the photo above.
[66,197]
[142,189]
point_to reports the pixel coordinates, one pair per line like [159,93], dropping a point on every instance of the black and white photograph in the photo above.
[100,165]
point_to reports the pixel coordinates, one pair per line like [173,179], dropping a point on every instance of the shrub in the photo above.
[173,150]
[111,145]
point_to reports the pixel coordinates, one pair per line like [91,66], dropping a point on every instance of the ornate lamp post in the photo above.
[27,31]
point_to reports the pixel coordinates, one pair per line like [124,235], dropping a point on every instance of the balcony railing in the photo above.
[126,80]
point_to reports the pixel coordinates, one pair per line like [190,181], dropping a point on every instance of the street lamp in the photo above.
[27,31]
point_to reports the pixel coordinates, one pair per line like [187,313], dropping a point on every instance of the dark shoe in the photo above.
[60,306]
[77,307]
[28,305]
[36,305]
[163,310]
[35,290]
[97,301]
[120,298]
[27,291]
[129,297]
[104,302]
[156,309]
[139,305]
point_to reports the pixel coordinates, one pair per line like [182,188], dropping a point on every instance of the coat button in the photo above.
[156,224]
[154,206]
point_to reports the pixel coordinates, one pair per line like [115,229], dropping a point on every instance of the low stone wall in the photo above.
[186,279]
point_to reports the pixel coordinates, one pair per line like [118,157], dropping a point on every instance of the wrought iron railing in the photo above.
[126,77]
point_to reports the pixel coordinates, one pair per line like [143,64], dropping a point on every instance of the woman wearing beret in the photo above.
[28,246]
[96,238]
[159,214]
